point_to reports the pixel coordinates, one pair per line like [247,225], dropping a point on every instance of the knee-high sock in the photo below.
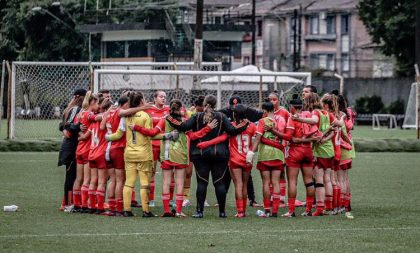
[85,195]
[179,198]
[100,195]
[171,189]
[291,204]
[165,201]
[276,202]
[282,190]
[92,199]
[152,190]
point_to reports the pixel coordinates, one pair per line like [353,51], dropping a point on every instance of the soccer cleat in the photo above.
[240,215]
[68,209]
[119,214]
[198,215]
[92,210]
[349,215]
[253,203]
[109,213]
[135,204]
[166,215]
[180,215]
[222,215]
[152,203]
[289,215]
[318,213]
[206,203]
[306,214]
[76,210]
[263,214]
[128,214]
[299,203]
[85,210]
[148,215]
[329,212]
[99,212]
[186,203]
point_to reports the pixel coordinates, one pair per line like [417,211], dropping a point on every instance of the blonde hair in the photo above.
[89,97]
[332,102]
[311,102]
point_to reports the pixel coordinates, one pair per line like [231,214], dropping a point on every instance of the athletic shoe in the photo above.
[166,215]
[92,210]
[76,210]
[118,214]
[316,213]
[152,203]
[341,210]
[222,215]
[68,209]
[349,215]
[198,215]
[180,215]
[99,212]
[263,214]
[128,214]
[148,215]
[329,212]
[253,203]
[109,213]
[85,210]
[206,203]
[306,214]
[240,215]
[186,203]
[299,203]
[289,215]
[135,204]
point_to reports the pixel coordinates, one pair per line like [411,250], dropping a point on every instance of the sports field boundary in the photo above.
[365,145]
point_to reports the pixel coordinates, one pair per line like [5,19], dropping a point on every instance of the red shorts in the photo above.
[246,168]
[98,163]
[116,159]
[82,158]
[324,163]
[167,165]
[335,165]
[270,165]
[156,153]
[347,165]
[300,157]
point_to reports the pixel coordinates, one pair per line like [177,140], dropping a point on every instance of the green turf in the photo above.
[366,132]
[385,191]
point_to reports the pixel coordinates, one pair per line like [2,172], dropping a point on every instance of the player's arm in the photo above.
[312,120]
[233,130]
[253,115]
[118,134]
[182,126]
[85,136]
[203,131]
[102,126]
[275,131]
[214,141]
[326,137]
[132,111]
[69,125]
[271,143]
[151,132]
[339,122]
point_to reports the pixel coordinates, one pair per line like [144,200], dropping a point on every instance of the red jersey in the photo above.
[86,118]
[281,112]
[296,129]
[157,114]
[112,124]
[98,142]
[349,122]
[240,144]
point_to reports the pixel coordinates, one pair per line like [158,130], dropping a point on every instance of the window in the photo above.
[345,43]
[322,61]
[259,28]
[345,63]
[344,24]
[137,48]
[115,49]
[314,25]
[330,24]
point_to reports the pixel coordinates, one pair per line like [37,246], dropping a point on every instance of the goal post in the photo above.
[411,118]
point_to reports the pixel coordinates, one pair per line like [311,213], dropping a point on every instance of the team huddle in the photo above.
[107,146]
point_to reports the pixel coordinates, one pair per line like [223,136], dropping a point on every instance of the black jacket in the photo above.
[69,145]
[218,151]
[251,114]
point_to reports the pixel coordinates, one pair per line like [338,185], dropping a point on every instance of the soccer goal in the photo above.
[250,83]
[41,90]
[411,117]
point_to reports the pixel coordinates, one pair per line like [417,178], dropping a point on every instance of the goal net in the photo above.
[411,113]
[42,90]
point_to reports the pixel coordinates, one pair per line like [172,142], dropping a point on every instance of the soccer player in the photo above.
[308,90]
[270,160]
[158,111]
[213,159]
[81,184]
[97,161]
[138,156]
[67,155]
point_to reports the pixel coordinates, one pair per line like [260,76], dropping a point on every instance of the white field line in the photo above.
[266,233]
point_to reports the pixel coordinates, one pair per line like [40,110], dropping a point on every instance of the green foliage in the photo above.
[396,107]
[392,25]
[367,104]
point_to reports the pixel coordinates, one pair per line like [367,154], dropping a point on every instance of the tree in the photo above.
[392,25]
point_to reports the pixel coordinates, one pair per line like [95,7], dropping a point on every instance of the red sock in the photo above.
[291,203]
[85,195]
[165,200]
[120,205]
[240,205]
[309,204]
[347,199]
[328,202]
[282,190]
[171,190]
[267,204]
[179,198]
[339,203]
[276,202]
[92,199]
[335,196]
[244,203]
[77,198]
[100,195]
[111,204]
[152,191]
[133,195]
[319,206]
[342,199]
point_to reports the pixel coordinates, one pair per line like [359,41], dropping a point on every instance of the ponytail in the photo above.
[88,99]
[209,104]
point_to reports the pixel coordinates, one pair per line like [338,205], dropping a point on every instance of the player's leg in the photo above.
[266,182]
[319,190]
[236,174]
[152,180]
[292,175]
[275,181]
[111,186]
[307,173]
[187,185]
[130,180]
[179,198]
[202,172]
[119,186]
[145,173]
[245,179]
[100,191]
[71,170]
[85,186]
[328,190]
[93,185]
[218,172]
[342,191]
[166,181]
[251,192]
[283,184]
[172,189]
[77,194]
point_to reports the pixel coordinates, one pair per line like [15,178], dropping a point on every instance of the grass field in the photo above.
[386,206]
[48,129]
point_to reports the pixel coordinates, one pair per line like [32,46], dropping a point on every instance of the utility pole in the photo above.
[198,41]
[295,17]
[254,29]
[299,23]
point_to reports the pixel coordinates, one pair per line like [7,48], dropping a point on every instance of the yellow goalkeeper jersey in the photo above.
[138,147]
